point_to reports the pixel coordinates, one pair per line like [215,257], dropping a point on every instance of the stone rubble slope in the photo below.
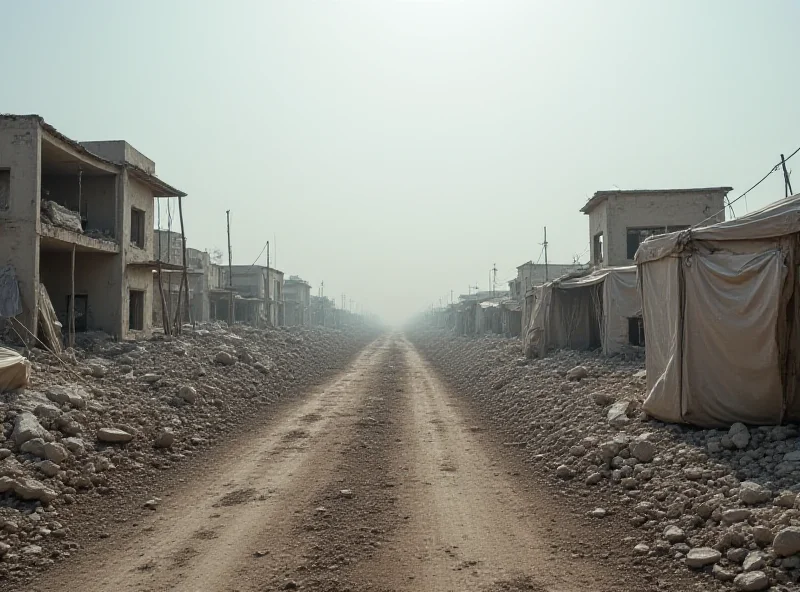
[103,420]
[722,502]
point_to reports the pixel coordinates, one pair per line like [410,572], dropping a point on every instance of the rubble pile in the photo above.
[104,420]
[723,502]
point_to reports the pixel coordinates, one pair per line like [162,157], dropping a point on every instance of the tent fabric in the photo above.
[15,370]
[720,311]
[10,301]
[728,297]
[582,312]
[778,219]
[661,311]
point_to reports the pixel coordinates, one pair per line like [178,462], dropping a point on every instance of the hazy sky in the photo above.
[398,149]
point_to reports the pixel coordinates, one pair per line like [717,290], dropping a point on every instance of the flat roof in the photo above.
[159,187]
[601,196]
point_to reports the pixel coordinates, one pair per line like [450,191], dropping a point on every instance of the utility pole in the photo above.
[451,297]
[230,271]
[787,183]
[494,278]
[544,244]
[322,301]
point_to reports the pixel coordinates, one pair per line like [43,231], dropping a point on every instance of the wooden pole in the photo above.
[787,183]
[164,312]
[71,323]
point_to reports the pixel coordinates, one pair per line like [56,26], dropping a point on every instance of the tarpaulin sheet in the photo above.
[775,220]
[568,313]
[10,302]
[14,370]
[731,366]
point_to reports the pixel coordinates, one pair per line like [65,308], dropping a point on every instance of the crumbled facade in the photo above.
[297,301]
[95,199]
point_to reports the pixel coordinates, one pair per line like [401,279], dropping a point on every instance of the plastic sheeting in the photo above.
[15,371]
[584,312]
[720,311]
[10,301]
[775,220]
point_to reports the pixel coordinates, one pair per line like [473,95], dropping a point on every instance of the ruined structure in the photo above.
[297,301]
[78,218]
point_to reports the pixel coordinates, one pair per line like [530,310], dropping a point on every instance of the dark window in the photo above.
[137,227]
[5,189]
[81,311]
[636,236]
[636,331]
[598,248]
[136,310]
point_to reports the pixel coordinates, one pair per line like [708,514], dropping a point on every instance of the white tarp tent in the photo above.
[721,316]
[15,370]
[584,312]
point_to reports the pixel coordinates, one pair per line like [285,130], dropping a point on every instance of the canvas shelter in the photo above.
[584,312]
[721,316]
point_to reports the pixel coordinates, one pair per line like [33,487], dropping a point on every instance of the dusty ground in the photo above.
[378,480]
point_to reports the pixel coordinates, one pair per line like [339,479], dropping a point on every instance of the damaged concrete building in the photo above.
[169,249]
[600,308]
[77,218]
[297,301]
[257,295]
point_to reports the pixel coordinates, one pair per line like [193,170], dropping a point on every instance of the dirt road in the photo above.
[376,481]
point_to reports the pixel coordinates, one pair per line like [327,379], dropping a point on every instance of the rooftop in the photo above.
[159,187]
[601,196]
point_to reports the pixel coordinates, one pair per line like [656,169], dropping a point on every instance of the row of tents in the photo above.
[719,311]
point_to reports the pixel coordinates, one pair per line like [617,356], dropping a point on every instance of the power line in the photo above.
[760,181]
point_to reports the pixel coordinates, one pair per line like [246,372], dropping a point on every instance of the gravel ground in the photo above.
[100,427]
[720,503]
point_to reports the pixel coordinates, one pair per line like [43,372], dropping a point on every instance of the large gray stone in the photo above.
[55,452]
[643,450]
[617,415]
[113,435]
[751,493]
[787,541]
[27,427]
[739,435]
[702,556]
[34,446]
[28,489]
[751,582]
[224,358]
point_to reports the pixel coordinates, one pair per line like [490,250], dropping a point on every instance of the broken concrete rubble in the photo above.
[731,492]
[62,471]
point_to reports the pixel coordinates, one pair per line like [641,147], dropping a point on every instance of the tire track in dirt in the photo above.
[347,524]
[220,532]
[469,527]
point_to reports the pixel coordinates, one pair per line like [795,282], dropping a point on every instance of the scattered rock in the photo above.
[565,472]
[113,435]
[752,581]
[165,439]
[787,541]
[225,358]
[752,493]
[55,452]
[739,435]
[641,549]
[673,534]
[188,393]
[603,399]
[702,556]
[643,450]
[27,427]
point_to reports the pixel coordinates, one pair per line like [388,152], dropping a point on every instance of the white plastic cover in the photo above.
[15,370]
